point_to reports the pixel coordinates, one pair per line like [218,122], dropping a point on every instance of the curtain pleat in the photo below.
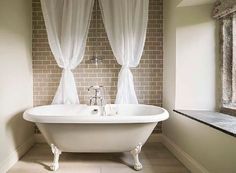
[126,24]
[67,25]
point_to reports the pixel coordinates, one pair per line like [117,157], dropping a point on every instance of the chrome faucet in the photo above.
[94,100]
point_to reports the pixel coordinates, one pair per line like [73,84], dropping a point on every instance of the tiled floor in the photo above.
[154,157]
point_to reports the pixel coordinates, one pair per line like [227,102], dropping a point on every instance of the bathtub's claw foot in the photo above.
[55,163]
[135,152]
[54,167]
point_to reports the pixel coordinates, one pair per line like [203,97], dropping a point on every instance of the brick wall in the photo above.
[148,76]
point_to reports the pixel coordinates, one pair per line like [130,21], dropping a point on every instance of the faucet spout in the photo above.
[103,105]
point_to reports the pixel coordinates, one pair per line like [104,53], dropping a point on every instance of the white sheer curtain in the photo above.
[126,24]
[67,24]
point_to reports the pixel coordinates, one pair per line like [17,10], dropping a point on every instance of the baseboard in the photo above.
[184,157]
[14,156]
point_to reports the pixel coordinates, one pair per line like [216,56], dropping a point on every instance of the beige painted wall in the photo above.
[196,58]
[190,74]
[15,78]
[169,47]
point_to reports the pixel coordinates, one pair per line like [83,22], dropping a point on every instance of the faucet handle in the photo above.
[98,92]
[96,87]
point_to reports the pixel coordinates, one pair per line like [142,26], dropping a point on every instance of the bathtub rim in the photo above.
[95,119]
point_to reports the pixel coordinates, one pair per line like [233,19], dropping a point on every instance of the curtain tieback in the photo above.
[66,72]
[124,71]
[67,69]
[124,67]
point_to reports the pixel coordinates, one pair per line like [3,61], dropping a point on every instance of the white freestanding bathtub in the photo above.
[81,128]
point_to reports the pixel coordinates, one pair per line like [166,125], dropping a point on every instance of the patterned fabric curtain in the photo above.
[225,12]
[223,8]
[228,60]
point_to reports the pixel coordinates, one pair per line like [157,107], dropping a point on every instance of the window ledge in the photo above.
[222,122]
[230,110]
